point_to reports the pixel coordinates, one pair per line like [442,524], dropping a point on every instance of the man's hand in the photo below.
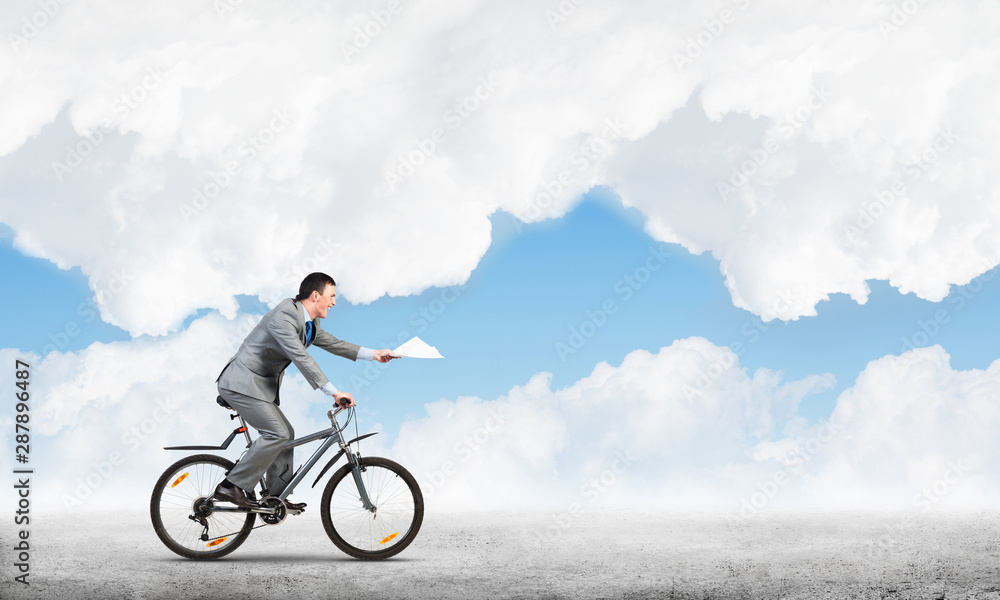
[339,396]
[384,356]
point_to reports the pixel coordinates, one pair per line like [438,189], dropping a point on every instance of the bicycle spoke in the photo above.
[365,534]
[185,485]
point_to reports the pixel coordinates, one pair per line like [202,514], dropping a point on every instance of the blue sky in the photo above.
[538,283]
[609,187]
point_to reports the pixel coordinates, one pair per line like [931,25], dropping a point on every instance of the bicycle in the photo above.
[371,508]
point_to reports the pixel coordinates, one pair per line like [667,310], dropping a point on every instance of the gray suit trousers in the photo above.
[267,452]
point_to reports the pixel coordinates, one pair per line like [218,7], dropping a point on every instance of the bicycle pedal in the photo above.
[296,511]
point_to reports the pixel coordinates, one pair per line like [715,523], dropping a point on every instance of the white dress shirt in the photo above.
[363,354]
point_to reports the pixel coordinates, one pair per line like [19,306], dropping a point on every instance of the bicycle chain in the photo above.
[234,533]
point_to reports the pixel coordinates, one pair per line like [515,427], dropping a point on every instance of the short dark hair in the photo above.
[314,282]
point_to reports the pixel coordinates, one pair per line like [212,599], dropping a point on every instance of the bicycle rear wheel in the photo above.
[182,493]
[399,509]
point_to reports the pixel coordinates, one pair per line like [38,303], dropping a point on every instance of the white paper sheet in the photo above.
[417,348]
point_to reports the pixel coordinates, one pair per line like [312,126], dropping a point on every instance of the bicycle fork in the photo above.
[356,472]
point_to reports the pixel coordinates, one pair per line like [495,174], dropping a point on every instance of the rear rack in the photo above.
[224,445]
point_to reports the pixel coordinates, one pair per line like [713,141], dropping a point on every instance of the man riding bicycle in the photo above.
[250,381]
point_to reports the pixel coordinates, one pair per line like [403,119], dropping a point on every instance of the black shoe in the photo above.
[233,495]
[295,508]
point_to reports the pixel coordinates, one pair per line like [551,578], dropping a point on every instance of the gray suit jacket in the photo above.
[277,341]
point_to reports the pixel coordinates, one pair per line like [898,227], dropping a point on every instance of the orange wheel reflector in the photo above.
[216,542]
[178,480]
[389,538]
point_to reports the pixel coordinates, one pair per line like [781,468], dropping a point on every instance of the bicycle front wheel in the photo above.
[384,532]
[180,498]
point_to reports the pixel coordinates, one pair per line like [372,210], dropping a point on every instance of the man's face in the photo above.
[324,302]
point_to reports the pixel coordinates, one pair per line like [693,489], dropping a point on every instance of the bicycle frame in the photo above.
[332,435]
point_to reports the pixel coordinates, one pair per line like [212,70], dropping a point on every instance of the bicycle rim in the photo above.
[396,520]
[175,495]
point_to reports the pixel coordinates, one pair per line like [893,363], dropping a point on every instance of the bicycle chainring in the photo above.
[279,514]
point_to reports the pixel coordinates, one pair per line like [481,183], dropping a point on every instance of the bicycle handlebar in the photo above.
[339,407]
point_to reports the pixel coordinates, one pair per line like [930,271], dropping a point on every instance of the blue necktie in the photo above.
[309,332]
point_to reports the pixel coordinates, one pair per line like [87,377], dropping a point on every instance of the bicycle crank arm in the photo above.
[234,509]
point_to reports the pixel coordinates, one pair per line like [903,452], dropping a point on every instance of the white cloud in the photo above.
[687,415]
[909,425]
[778,165]
[100,417]
[685,426]
[704,436]
[163,98]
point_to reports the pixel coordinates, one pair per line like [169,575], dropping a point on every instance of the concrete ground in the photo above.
[601,554]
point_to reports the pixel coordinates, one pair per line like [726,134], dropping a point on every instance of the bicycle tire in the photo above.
[174,495]
[399,510]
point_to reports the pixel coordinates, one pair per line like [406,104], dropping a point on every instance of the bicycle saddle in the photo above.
[222,402]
